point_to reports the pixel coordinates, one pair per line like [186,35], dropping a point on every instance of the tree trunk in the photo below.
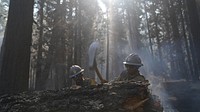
[60,55]
[180,61]
[15,53]
[148,30]
[39,53]
[194,28]
[70,46]
[78,38]
[188,52]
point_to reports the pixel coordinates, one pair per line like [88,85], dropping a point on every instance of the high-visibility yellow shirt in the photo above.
[89,82]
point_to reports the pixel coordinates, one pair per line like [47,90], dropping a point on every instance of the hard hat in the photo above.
[133,59]
[75,70]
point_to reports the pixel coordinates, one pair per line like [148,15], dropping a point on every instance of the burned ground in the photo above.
[115,97]
[184,96]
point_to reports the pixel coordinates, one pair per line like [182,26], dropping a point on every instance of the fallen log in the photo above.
[109,97]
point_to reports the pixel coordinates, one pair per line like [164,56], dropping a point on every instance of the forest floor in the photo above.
[173,96]
[110,97]
[181,96]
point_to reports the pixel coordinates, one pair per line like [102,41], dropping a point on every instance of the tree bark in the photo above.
[15,53]
[194,28]
[39,53]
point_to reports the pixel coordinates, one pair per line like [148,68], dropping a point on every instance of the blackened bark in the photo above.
[39,55]
[77,37]
[195,26]
[15,54]
[70,46]
[189,57]
[60,55]
[180,61]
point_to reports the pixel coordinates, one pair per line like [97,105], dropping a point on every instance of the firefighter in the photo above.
[76,73]
[132,64]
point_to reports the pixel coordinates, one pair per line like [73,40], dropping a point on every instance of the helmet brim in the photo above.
[72,76]
[135,64]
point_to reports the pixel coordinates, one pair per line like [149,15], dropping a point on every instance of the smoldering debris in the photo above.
[109,97]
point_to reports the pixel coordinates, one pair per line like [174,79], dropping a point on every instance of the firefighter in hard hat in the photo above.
[132,64]
[76,73]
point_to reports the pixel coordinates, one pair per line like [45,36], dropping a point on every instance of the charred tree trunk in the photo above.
[78,40]
[50,55]
[190,42]
[70,45]
[180,61]
[75,55]
[60,56]
[15,60]
[194,28]
[188,53]
[39,53]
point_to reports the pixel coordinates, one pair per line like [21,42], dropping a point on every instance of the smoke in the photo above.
[152,70]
